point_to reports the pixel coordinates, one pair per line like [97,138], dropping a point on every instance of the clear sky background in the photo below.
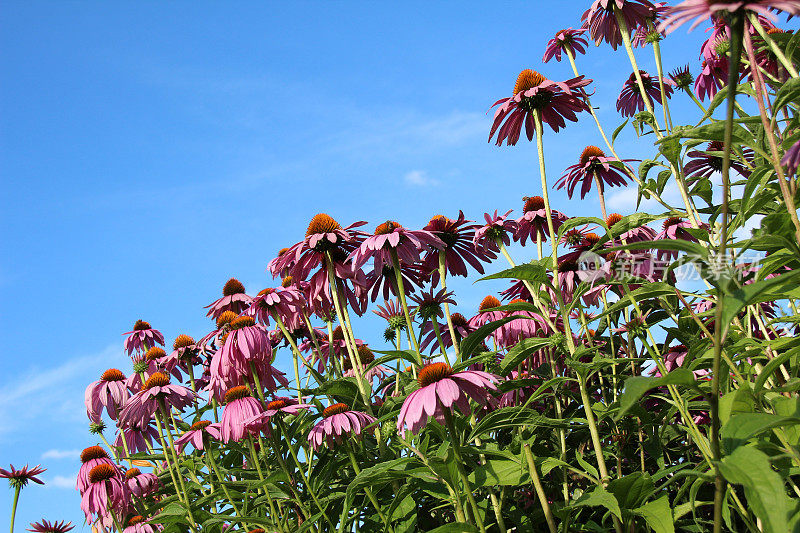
[150,151]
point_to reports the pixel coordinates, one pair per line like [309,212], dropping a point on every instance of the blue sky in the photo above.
[150,151]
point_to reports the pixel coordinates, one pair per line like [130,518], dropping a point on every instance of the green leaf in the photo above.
[753,293]
[787,94]
[763,487]
[743,426]
[498,472]
[455,527]
[526,272]
[658,515]
[636,386]
[509,417]
[671,148]
[476,338]
[618,130]
[520,352]
[631,490]
[770,368]
[599,497]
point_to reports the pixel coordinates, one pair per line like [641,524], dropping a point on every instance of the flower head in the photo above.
[533,222]
[440,389]
[568,40]
[391,238]
[109,392]
[459,248]
[682,77]
[338,422]
[239,407]
[497,227]
[142,338]
[20,478]
[630,99]
[233,299]
[91,457]
[702,10]
[593,163]
[196,434]
[51,527]
[554,101]
[141,484]
[139,409]
[601,20]
[106,491]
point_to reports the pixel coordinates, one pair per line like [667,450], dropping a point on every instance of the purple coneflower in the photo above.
[365,357]
[497,227]
[391,238]
[630,99]
[440,389]
[139,409]
[682,77]
[91,457]
[136,437]
[392,313]
[554,100]
[384,281]
[705,9]
[137,524]
[233,299]
[530,324]
[674,228]
[457,236]
[533,221]
[106,492]
[338,423]
[239,406]
[706,163]
[142,337]
[141,484]
[593,166]
[569,40]
[461,327]
[20,478]
[286,302]
[196,435]
[601,21]
[713,76]
[791,159]
[51,527]
[109,392]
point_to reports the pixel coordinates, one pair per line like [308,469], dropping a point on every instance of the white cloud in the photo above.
[61,454]
[63,482]
[419,178]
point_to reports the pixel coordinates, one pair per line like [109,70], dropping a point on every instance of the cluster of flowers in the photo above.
[334,273]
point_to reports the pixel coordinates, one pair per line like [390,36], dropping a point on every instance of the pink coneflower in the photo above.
[196,435]
[705,9]
[682,77]
[569,40]
[141,484]
[637,234]
[139,409]
[239,406]
[392,313]
[440,389]
[592,163]
[384,282]
[20,478]
[157,360]
[791,159]
[51,527]
[109,392]
[457,236]
[277,407]
[286,302]
[136,437]
[713,76]
[137,524]
[246,342]
[365,357]
[706,163]
[533,222]
[91,457]
[554,100]
[233,299]
[391,238]
[337,424]
[675,228]
[142,337]
[602,23]
[630,99]
[106,492]
[497,227]
[530,324]
[429,303]
[185,352]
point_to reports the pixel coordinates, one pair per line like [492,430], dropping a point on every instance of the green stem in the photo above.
[401,293]
[165,416]
[774,47]
[537,484]
[367,490]
[455,441]
[14,505]
[442,275]
[439,338]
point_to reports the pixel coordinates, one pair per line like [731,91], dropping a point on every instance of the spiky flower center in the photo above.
[112,374]
[338,334]
[517,301]
[282,251]
[277,404]
[573,237]
[322,223]
[458,320]
[154,353]
[387,227]
[533,203]
[335,409]
[612,219]
[568,266]
[242,322]
[200,424]
[225,318]
[397,321]
[287,282]
[132,473]
[141,325]
[138,519]
[773,31]
[682,77]
[256,530]
[236,393]
[182,341]
[678,348]
[591,239]
[488,303]
[590,152]
[93,452]
[671,221]
[159,379]
[527,79]
[365,355]
[232,286]
[101,472]
[433,372]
